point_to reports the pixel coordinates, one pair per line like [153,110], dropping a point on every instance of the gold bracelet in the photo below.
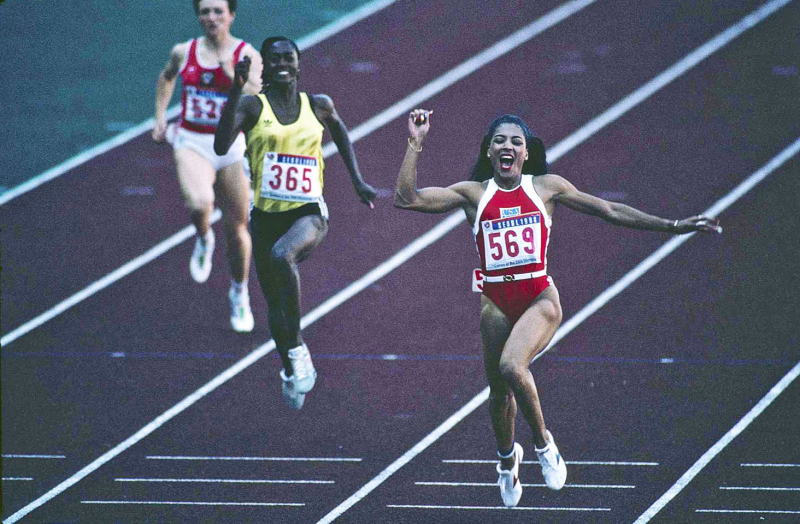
[412,147]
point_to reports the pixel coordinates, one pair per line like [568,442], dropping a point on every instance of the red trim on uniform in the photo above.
[217,82]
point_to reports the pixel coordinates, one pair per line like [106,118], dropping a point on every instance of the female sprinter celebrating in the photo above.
[509,202]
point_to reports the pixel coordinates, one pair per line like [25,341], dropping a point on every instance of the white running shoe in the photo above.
[200,263]
[241,315]
[302,379]
[290,395]
[553,467]
[510,486]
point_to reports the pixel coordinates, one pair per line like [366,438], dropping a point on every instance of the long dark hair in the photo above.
[536,164]
[266,49]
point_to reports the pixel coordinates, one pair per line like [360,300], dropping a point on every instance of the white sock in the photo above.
[239,288]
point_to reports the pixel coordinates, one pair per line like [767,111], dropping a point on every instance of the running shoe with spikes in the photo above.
[302,379]
[553,467]
[241,315]
[200,263]
[510,486]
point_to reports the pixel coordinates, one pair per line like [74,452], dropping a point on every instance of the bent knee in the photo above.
[280,258]
[500,394]
[513,372]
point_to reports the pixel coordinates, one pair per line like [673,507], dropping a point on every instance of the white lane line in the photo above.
[494,485]
[381,119]
[343,23]
[191,503]
[6,479]
[227,481]
[119,273]
[468,67]
[751,511]
[303,43]
[503,508]
[573,140]
[756,488]
[746,465]
[268,459]
[22,456]
[573,462]
[709,455]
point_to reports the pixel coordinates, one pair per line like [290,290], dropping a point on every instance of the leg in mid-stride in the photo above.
[508,351]
[196,176]
[276,265]
[234,201]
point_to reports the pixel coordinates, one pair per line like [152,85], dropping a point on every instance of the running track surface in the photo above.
[634,395]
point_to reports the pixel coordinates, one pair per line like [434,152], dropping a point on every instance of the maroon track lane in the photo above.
[377,417]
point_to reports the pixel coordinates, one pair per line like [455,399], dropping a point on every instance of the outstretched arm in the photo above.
[239,114]
[565,193]
[326,112]
[429,199]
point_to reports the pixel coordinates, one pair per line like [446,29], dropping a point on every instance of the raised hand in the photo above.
[699,223]
[241,71]
[419,123]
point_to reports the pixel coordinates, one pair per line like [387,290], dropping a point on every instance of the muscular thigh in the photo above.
[196,177]
[233,191]
[535,328]
[301,239]
[495,329]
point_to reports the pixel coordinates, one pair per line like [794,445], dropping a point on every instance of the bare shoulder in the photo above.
[180,50]
[176,57]
[550,185]
[323,104]
[470,190]
[251,51]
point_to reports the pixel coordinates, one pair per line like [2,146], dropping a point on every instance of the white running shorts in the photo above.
[203,144]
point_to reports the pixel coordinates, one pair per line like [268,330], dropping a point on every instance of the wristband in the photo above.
[412,147]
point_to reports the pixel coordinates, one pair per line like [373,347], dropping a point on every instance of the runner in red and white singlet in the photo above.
[204,91]
[205,66]
[511,218]
[512,232]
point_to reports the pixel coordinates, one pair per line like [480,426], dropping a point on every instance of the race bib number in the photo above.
[513,241]
[477,280]
[203,106]
[291,177]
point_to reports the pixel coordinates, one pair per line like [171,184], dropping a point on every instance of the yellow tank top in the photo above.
[286,160]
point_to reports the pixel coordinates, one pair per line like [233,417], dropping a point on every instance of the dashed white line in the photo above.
[225,481]
[24,479]
[267,459]
[751,511]
[191,503]
[757,488]
[501,508]
[745,465]
[494,485]
[572,462]
[22,456]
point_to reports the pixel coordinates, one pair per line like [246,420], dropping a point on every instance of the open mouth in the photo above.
[506,161]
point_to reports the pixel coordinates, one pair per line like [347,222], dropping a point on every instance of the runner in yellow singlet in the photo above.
[283,129]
